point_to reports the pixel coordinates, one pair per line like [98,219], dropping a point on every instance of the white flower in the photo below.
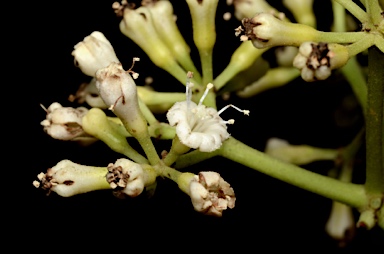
[68,179]
[341,224]
[126,176]
[198,126]
[93,53]
[64,123]
[210,194]
[298,154]
[118,90]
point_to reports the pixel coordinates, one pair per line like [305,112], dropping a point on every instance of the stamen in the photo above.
[209,86]
[230,121]
[246,112]
[45,109]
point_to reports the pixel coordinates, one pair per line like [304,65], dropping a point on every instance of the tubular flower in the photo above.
[64,123]
[68,178]
[118,90]
[210,194]
[198,126]
[266,30]
[93,53]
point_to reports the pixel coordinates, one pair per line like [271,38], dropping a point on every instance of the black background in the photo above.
[269,214]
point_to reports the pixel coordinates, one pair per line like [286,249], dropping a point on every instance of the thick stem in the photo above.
[347,193]
[375,123]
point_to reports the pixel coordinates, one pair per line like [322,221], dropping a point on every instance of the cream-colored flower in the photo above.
[198,126]
[317,60]
[210,194]
[93,53]
[266,30]
[64,123]
[68,178]
[118,90]
[126,176]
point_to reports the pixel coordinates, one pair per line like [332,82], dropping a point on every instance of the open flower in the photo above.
[65,123]
[198,126]
[93,53]
[210,194]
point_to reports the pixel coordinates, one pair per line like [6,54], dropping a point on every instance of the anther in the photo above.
[209,86]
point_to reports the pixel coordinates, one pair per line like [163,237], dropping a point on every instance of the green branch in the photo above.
[348,193]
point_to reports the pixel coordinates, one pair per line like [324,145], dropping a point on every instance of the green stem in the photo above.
[148,147]
[177,149]
[243,57]
[339,17]
[355,10]
[194,157]
[340,37]
[353,73]
[148,115]
[373,10]
[361,45]
[177,72]
[206,65]
[348,193]
[375,123]
[168,172]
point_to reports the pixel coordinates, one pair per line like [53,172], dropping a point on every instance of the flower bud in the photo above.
[249,8]
[302,10]
[341,223]
[96,123]
[68,179]
[138,26]
[165,25]
[65,123]
[203,20]
[298,154]
[118,90]
[93,53]
[317,60]
[266,30]
[273,78]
